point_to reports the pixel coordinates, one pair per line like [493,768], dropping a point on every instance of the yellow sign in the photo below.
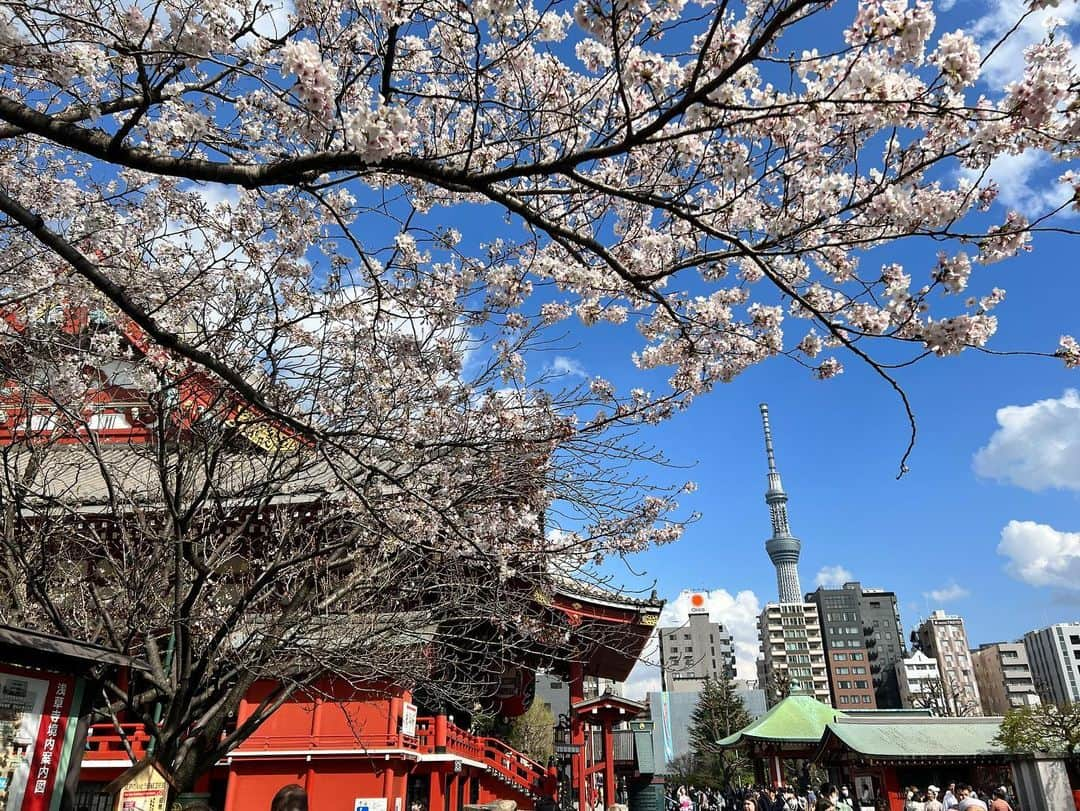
[147,790]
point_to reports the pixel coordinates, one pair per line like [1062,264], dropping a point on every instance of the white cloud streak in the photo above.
[1028,181]
[833,576]
[562,365]
[946,594]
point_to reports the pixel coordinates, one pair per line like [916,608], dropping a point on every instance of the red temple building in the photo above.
[346,744]
[373,746]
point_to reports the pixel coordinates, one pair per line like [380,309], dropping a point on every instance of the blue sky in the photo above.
[933,536]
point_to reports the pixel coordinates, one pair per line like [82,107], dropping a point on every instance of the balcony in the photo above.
[107,746]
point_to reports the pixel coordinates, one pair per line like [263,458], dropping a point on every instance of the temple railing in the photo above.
[106,743]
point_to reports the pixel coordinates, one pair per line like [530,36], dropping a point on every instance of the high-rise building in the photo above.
[783,547]
[1054,654]
[943,637]
[789,631]
[694,651]
[884,641]
[918,680]
[793,655]
[850,680]
[1004,677]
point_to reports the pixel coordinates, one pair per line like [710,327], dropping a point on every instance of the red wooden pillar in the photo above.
[393,727]
[609,763]
[437,791]
[388,785]
[230,791]
[776,773]
[577,736]
[440,733]
[453,792]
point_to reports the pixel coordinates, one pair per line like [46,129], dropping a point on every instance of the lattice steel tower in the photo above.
[783,547]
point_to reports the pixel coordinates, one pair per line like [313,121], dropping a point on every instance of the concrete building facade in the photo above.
[916,676]
[694,651]
[848,664]
[884,637]
[1054,655]
[671,714]
[792,652]
[1004,677]
[943,637]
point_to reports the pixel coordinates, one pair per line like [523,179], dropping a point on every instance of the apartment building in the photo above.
[1054,656]
[943,637]
[1004,677]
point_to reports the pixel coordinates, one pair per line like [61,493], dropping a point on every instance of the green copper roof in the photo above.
[919,738]
[796,719]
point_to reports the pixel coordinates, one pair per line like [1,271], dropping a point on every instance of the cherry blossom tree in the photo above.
[364,218]
[664,162]
[155,512]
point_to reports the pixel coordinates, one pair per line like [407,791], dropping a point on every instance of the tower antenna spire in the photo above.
[783,547]
[768,437]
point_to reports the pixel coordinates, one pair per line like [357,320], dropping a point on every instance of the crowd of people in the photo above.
[959,796]
[829,797]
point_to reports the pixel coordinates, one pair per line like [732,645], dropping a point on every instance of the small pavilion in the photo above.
[603,713]
[791,730]
[879,757]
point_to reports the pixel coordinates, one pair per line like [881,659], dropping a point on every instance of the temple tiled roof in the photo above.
[796,719]
[917,738]
[574,587]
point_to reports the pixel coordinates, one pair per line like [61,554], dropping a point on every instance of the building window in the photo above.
[860,684]
[866,699]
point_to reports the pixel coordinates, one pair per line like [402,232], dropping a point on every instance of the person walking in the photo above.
[999,802]
[969,800]
[932,802]
[949,800]
[827,798]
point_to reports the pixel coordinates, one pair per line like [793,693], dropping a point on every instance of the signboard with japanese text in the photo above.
[370,804]
[408,720]
[36,733]
[145,790]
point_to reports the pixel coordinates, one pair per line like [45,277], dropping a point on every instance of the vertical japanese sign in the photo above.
[408,720]
[36,733]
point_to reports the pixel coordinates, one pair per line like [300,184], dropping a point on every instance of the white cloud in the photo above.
[562,365]
[1007,62]
[1028,183]
[832,576]
[1036,446]
[953,591]
[738,613]
[1040,555]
